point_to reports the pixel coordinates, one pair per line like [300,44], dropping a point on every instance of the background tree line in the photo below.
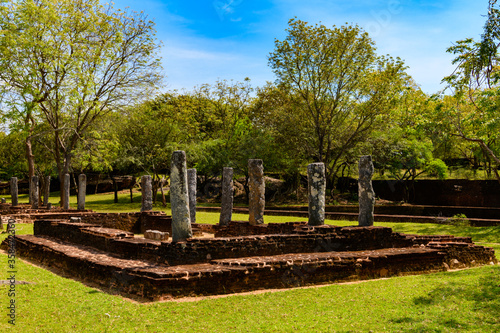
[80,86]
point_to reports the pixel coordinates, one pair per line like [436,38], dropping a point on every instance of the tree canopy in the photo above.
[69,63]
[340,86]
[475,82]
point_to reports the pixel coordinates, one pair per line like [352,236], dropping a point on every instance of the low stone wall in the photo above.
[395,209]
[155,221]
[124,221]
[450,192]
[136,222]
[243,228]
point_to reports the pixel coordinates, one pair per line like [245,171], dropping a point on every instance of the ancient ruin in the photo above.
[366,194]
[66,192]
[192,181]
[34,192]
[226,205]
[82,191]
[179,198]
[316,191]
[14,191]
[257,186]
[147,193]
[132,254]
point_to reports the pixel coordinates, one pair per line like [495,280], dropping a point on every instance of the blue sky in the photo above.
[231,39]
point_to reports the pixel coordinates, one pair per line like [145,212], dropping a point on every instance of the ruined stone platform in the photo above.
[120,262]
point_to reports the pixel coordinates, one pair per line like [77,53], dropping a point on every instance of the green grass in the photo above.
[459,301]
[99,202]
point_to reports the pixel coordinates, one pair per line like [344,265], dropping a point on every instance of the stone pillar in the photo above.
[226,211]
[46,193]
[191,177]
[147,193]
[257,188]
[66,194]
[317,190]
[82,191]
[365,191]
[34,192]
[14,191]
[179,199]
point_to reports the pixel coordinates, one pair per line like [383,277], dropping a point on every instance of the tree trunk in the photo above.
[97,184]
[115,189]
[163,198]
[30,159]
[487,151]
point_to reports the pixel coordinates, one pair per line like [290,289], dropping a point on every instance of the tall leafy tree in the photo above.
[476,86]
[339,84]
[74,61]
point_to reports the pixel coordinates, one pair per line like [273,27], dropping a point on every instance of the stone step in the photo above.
[328,257]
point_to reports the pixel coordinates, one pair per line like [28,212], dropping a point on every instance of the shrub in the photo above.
[437,168]
[460,220]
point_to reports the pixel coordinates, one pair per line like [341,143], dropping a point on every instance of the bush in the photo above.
[437,168]
[460,220]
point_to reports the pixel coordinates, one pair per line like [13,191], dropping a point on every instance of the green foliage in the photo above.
[148,134]
[68,63]
[475,112]
[460,220]
[337,86]
[405,156]
[437,168]
[12,156]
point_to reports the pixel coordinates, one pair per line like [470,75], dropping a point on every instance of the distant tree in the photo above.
[339,84]
[11,154]
[73,62]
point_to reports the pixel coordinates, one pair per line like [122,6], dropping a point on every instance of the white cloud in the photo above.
[416,31]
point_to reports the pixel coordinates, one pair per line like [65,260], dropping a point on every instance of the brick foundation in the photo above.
[300,255]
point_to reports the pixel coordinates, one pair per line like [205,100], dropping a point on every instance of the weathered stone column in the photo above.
[34,192]
[226,206]
[82,191]
[46,193]
[365,191]
[317,190]
[66,194]
[257,188]
[14,191]
[191,177]
[147,193]
[179,199]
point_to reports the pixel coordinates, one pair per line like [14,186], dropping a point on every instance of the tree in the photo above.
[340,86]
[475,83]
[225,108]
[73,62]
[11,155]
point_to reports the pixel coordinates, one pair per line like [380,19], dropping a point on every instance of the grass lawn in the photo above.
[458,301]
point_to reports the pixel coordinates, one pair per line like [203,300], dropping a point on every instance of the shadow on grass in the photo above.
[483,294]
